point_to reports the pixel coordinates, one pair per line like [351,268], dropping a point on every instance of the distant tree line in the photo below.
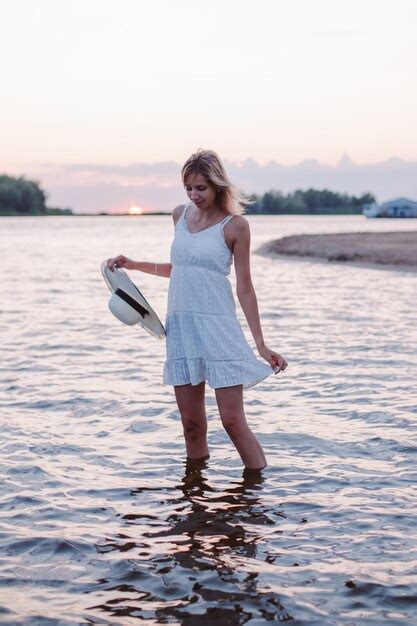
[22,196]
[310,202]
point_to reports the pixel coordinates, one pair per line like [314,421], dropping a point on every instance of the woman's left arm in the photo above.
[246,292]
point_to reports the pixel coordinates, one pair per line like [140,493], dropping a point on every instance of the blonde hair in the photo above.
[208,164]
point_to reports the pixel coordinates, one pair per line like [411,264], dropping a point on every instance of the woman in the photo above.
[205,341]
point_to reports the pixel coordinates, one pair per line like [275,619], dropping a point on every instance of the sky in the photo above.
[93,84]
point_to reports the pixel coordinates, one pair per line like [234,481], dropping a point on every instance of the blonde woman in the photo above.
[205,341]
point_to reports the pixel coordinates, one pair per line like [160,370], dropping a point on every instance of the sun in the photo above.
[135,210]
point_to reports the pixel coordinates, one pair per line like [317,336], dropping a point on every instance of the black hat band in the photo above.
[129,300]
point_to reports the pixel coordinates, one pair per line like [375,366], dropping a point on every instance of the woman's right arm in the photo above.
[158,269]
[123,262]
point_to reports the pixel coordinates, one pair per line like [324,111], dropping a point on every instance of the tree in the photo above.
[21,196]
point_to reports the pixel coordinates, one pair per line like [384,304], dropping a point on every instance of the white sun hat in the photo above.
[128,304]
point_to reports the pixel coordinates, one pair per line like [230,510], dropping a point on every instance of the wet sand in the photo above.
[395,249]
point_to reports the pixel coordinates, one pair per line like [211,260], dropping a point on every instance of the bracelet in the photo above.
[155,268]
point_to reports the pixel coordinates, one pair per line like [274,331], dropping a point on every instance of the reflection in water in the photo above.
[201,561]
[85,419]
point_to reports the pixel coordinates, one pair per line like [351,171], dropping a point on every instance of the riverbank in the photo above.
[396,249]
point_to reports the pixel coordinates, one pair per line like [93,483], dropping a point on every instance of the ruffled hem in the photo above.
[247,372]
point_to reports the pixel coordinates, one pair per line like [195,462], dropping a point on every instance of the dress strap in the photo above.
[184,211]
[226,219]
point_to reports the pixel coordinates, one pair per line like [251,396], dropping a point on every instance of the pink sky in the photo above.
[98,84]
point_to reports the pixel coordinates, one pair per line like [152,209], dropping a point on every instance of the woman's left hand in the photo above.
[275,360]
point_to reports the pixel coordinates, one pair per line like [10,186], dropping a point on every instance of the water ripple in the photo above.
[102,522]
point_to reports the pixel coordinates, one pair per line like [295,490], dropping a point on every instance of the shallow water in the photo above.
[100,520]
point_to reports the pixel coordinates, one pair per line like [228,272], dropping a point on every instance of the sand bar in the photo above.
[389,248]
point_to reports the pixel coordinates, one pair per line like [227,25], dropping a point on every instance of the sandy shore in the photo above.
[397,249]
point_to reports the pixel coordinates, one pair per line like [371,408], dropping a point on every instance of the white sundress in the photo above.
[204,339]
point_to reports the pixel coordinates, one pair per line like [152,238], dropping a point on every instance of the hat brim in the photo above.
[119,282]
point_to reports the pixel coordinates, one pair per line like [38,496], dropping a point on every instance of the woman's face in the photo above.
[200,191]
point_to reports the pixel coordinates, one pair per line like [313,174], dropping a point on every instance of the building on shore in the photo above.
[399,207]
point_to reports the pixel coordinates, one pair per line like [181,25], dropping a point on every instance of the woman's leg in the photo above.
[190,400]
[230,403]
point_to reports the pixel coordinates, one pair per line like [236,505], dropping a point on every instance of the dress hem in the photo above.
[178,372]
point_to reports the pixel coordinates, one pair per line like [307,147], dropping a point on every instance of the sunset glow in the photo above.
[135,210]
[102,141]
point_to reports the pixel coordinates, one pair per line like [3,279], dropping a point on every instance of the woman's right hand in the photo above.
[120,261]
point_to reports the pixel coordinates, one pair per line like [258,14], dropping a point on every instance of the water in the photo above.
[100,520]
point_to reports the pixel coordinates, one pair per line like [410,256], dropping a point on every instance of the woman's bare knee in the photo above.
[232,413]
[191,405]
[194,428]
[234,424]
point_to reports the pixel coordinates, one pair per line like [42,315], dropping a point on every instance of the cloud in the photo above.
[386,179]
[94,187]
[139,169]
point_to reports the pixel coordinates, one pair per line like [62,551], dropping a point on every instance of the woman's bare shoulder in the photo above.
[238,225]
[240,220]
[236,229]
